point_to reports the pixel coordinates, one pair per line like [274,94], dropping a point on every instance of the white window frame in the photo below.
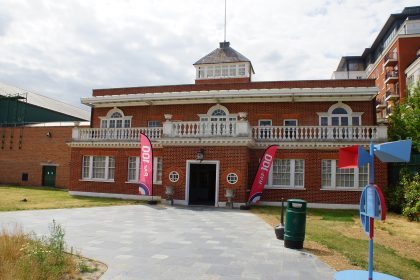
[90,168]
[285,120]
[105,121]
[209,116]
[156,171]
[229,177]
[265,120]
[333,178]
[154,123]
[350,114]
[173,176]
[270,185]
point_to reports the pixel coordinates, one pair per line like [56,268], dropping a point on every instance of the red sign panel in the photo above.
[262,174]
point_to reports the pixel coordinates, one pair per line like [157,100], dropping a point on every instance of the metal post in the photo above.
[371,220]
[370,264]
[282,212]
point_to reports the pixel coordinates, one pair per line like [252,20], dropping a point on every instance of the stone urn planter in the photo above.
[169,191]
[229,194]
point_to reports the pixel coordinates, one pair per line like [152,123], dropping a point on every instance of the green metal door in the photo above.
[48,176]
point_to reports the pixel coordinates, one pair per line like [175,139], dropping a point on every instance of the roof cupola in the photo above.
[223,65]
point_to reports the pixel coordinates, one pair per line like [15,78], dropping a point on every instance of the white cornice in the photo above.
[107,144]
[222,142]
[235,96]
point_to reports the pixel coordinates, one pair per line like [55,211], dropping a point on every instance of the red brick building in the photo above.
[34,130]
[208,136]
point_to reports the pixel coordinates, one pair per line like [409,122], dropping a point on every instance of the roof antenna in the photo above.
[225,23]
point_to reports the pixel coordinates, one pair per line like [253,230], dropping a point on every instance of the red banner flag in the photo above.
[146,166]
[262,174]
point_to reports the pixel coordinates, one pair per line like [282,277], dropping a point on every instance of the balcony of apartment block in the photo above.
[391,96]
[391,77]
[390,59]
[380,104]
[220,131]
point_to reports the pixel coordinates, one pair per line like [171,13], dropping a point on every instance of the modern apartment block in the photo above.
[393,51]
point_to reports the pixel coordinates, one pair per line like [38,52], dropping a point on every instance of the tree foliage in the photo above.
[404,122]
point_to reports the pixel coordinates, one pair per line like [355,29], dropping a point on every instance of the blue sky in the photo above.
[63,49]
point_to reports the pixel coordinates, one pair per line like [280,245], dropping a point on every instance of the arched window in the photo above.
[115,119]
[339,111]
[218,112]
[340,114]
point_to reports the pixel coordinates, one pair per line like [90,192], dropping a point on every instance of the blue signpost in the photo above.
[372,203]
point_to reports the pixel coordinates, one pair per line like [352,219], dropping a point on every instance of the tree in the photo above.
[404,122]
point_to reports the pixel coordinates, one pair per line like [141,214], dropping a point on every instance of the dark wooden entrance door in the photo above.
[202,185]
[48,176]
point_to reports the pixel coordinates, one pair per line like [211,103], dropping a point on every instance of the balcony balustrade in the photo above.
[231,129]
[391,95]
[318,133]
[115,134]
[391,77]
[380,104]
[203,129]
[391,59]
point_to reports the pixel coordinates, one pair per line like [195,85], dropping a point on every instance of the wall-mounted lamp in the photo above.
[49,134]
[200,155]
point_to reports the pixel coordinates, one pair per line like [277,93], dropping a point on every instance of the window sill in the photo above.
[343,189]
[285,188]
[97,180]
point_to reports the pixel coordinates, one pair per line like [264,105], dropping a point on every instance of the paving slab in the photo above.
[154,242]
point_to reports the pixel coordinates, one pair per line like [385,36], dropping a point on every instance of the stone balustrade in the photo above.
[219,129]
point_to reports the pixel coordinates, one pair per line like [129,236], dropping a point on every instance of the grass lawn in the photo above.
[49,198]
[337,238]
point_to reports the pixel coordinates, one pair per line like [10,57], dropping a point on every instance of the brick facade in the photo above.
[28,149]
[304,112]
[237,86]
[240,160]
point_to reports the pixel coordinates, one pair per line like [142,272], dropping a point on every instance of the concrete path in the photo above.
[153,242]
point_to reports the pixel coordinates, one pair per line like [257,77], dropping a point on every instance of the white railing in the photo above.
[234,129]
[123,134]
[319,133]
[203,129]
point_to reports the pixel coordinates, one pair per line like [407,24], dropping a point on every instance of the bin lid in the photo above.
[297,204]
[295,200]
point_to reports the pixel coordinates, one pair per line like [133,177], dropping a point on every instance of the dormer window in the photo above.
[115,119]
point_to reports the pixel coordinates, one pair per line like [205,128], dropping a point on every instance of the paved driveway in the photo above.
[145,242]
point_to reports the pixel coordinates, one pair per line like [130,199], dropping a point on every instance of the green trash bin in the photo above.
[294,229]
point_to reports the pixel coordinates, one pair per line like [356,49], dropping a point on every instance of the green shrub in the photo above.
[411,186]
[394,194]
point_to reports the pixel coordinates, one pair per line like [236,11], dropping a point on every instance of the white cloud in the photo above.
[63,49]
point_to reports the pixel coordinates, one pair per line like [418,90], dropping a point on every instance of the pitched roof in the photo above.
[45,102]
[223,54]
